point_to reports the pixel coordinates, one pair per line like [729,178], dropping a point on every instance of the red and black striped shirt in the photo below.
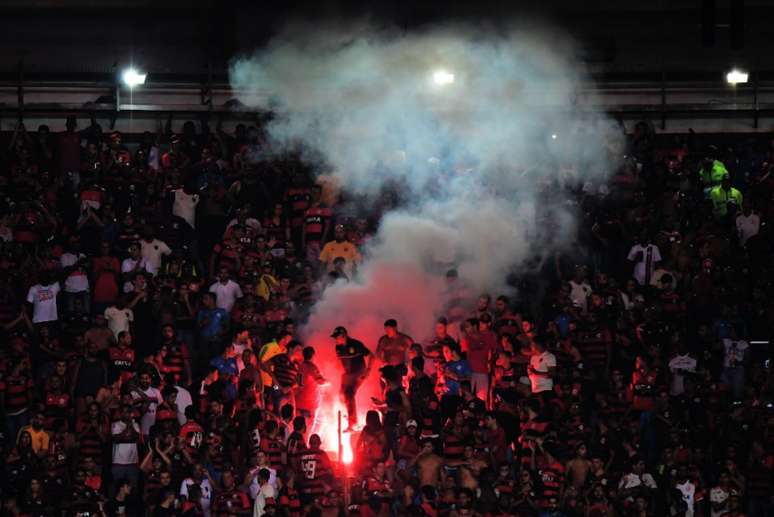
[298,200]
[174,361]
[273,450]
[16,390]
[315,219]
[551,477]
[285,370]
[89,441]
[593,346]
[315,469]
[289,500]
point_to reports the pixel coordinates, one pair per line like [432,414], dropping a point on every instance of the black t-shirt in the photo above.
[355,348]
[114,507]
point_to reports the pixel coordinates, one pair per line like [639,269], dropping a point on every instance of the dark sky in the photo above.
[181,37]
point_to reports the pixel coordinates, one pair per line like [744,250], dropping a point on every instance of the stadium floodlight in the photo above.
[131,77]
[443,77]
[736,76]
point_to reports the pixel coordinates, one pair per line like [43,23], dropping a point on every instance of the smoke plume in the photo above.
[478,128]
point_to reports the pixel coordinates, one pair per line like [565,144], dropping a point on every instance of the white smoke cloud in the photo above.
[480,175]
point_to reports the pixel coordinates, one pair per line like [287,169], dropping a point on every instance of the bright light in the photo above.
[553,136]
[132,77]
[329,434]
[443,77]
[346,452]
[736,76]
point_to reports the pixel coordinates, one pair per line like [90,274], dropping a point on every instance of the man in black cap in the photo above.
[393,345]
[352,354]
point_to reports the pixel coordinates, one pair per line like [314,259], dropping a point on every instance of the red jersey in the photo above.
[643,390]
[228,255]
[106,271]
[297,199]
[16,389]
[315,467]
[56,407]
[192,434]
[121,361]
[273,450]
[289,500]
[315,220]
[478,350]
[307,393]
[552,477]
[174,361]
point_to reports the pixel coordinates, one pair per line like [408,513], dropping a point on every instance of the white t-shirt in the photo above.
[734,352]
[644,268]
[182,401]
[632,480]
[43,300]
[655,279]
[266,491]
[688,489]
[206,493]
[76,281]
[153,158]
[579,294]
[747,226]
[676,365]
[152,252]
[124,453]
[226,294]
[541,363]
[69,259]
[118,319]
[149,417]
[129,264]
[255,487]
[184,206]
[719,497]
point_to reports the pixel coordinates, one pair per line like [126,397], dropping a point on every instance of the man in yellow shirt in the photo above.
[723,195]
[38,434]
[272,396]
[340,247]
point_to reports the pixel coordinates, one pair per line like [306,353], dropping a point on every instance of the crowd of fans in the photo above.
[150,302]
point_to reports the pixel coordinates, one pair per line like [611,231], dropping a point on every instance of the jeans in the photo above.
[734,377]
[648,437]
[187,336]
[130,472]
[13,424]
[350,382]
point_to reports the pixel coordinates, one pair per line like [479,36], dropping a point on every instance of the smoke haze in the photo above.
[479,175]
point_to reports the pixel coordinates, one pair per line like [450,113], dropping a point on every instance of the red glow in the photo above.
[328,428]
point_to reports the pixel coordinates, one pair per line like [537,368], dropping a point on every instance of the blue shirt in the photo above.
[215,319]
[459,368]
[225,365]
[563,323]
